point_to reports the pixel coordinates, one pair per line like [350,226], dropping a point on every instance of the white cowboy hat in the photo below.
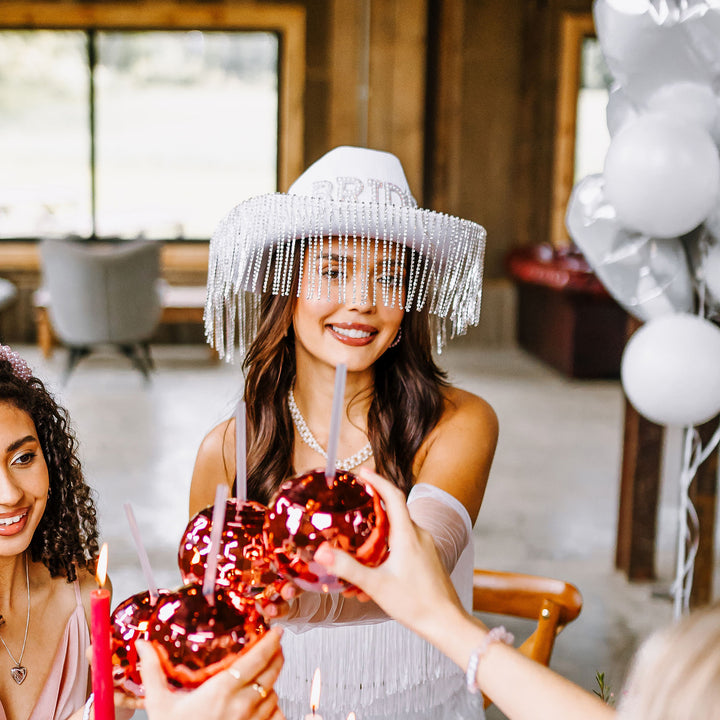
[358,197]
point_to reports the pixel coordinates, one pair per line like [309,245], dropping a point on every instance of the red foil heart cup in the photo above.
[196,639]
[129,622]
[243,565]
[308,510]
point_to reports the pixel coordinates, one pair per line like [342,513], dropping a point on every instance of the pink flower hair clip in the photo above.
[20,368]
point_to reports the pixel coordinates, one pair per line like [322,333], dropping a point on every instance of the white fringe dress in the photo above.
[377,668]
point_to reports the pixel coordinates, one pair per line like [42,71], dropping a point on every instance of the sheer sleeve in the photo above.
[444,517]
[433,509]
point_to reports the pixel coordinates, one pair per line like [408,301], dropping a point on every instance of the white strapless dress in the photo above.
[379,670]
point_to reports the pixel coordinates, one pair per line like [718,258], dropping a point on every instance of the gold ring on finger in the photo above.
[260,690]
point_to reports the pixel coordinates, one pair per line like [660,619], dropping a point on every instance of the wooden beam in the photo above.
[444,154]
[347,74]
[574,27]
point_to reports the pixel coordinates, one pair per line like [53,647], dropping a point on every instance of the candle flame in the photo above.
[102,563]
[351,716]
[315,691]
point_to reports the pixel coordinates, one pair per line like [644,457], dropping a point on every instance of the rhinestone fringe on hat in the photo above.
[256,247]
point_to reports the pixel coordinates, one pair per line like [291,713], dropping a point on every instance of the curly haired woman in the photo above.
[48,545]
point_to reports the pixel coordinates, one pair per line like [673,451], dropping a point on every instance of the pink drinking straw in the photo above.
[335,419]
[142,554]
[218,520]
[240,450]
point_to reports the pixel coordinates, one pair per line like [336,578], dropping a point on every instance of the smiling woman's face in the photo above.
[24,480]
[356,332]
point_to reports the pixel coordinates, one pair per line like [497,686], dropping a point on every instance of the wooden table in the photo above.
[180,304]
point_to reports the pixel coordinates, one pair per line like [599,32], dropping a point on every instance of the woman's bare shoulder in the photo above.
[465,407]
[215,460]
[216,451]
[457,455]
[214,441]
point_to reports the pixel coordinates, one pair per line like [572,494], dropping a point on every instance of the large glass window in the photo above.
[591,133]
[45,182]
[126,134]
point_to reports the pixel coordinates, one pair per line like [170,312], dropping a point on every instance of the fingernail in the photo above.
[141,648]
[324,555]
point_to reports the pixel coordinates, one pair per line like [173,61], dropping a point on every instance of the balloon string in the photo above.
[701,296]
[704,453]
[678,587]
[688,522]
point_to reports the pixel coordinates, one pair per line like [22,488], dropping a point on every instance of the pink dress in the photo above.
[65,689]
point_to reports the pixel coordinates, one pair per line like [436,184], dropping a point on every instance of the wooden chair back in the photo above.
[551,603]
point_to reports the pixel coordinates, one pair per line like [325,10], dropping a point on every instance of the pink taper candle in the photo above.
[102,685]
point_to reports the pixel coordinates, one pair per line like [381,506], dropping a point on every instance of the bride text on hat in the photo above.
[353,189]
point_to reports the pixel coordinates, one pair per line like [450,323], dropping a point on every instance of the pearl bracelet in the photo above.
[497,634]
[88,707]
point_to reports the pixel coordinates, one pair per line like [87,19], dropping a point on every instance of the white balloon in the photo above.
[591,220]
[701,22]
[645,47]
[690,101]
[670,370]
[619,111]
[649,277]
[662,175]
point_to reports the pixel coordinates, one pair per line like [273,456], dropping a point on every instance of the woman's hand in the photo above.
[411,585]
[277,607]
[243,692]
[125,706]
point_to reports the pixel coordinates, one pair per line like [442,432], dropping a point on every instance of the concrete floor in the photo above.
[550,506]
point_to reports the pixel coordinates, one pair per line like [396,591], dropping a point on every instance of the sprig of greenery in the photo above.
[604,692]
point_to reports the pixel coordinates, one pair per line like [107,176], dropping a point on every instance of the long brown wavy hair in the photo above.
[406,404]
[66,537]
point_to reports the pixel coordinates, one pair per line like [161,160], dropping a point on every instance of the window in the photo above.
[591,132]
[150,131]
[581,135]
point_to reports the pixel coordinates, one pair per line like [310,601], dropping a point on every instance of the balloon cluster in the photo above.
[259,550]
[649,225]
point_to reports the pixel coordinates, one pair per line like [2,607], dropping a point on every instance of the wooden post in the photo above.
[639,489]
[703,493]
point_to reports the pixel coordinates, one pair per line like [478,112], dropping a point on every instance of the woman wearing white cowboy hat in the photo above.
[345,268]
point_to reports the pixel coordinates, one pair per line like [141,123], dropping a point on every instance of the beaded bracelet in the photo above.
[88,707]
[497,634]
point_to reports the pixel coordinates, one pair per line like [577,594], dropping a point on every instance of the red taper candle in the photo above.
[102,684]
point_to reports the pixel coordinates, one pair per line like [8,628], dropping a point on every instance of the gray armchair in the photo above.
[103,294]
[8,295]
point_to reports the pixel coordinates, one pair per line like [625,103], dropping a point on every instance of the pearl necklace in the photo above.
[308,438]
